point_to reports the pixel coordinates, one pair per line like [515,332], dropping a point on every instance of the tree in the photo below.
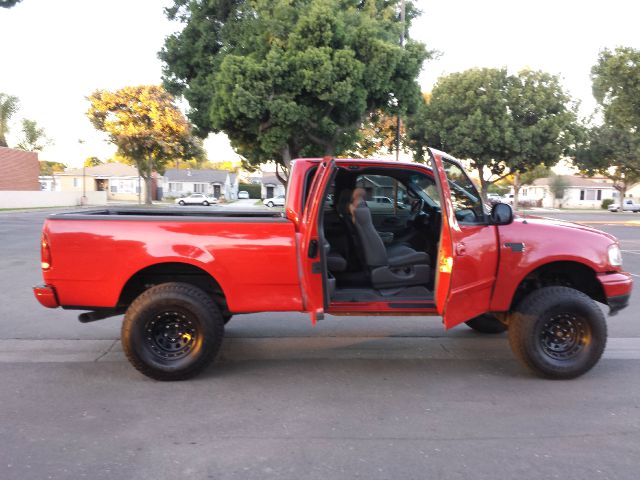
[612,149]
[49,168]
[616,86]
[613,152]
[8,107]
[8,3]
[92,162]
[503,124]
[33,137]
[288,78]
[558,185]
[146,126]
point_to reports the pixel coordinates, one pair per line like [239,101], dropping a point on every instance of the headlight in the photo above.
[615,256]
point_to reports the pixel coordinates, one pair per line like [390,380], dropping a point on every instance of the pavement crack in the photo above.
[113,344]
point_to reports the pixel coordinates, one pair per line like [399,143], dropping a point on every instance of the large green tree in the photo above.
[147,127]
[33,138]
[503,124]
[8,107]
[612,148]
[285,78]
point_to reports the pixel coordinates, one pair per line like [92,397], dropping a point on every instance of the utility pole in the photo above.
[399,121]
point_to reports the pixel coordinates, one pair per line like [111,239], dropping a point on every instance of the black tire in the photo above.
[486,324]
[181,202]
[270,204]
[227,318]
[558,332]
[172,331]
[205,203]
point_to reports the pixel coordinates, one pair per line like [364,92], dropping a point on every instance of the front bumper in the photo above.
[46,295]
[617,289]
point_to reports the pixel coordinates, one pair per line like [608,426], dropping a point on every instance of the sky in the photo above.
[55,53]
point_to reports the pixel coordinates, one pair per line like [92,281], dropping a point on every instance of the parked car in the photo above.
[242,194]
[274,202]
[179,277]
[628,205]
[507,198]
[493,198]
[197,199]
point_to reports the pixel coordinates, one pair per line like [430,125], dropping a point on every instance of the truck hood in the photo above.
[553,223]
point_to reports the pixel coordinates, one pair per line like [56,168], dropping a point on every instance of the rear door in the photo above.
[311,253]
[468,251]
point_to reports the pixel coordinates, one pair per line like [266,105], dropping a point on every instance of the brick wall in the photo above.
[18,170]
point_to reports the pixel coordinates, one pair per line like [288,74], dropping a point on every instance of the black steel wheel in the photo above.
[205,203]
[270,204]
[558,332]
[172,331]
[486,324]
[181,202]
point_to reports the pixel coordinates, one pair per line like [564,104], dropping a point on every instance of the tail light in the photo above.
[45,253]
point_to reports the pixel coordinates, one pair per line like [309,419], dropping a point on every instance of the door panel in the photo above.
[311,253]
[468,252]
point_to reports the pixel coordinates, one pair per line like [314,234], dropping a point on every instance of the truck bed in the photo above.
[182,213]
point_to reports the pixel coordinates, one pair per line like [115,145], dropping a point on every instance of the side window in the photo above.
[383,192]
[466,200]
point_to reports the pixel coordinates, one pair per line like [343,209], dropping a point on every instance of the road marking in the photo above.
[237,349]
[634,252]
[635,275]
[628,223]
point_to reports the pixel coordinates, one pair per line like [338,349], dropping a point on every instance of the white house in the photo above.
[219,183]
[271,186]
[580,192]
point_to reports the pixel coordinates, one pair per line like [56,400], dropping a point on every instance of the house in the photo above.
[19,169]
[219,183]
[120,181]
[271,186]
[579,192]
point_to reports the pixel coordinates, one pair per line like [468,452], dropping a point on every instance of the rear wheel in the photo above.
[172,331]
[205,203]
[181,202]
[558,332]
[270,204]
[486,324]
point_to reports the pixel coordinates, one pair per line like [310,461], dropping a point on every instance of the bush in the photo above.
[255,190]
[606,202]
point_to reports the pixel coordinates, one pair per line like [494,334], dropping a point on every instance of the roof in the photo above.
[104,170]
[270,179]
[574,181]
[193,175]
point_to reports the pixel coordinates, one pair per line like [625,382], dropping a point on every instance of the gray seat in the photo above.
[395,266]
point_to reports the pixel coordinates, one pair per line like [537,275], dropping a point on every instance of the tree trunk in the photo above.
[148,181]
[516,189]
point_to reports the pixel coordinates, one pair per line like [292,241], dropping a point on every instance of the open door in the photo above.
[468,251]
[311,251]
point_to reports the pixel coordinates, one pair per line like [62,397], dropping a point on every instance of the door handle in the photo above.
[313,249]
[461,249]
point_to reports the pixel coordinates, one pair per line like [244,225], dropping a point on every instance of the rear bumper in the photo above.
[617,289]
[46,295]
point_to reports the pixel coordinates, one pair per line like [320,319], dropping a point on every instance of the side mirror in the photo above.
[501,214]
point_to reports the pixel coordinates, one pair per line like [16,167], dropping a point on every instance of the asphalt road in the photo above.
[354,397]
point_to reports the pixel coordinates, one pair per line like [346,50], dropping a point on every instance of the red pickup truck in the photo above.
[431,248]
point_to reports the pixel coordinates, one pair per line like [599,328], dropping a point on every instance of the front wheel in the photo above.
[181,202]
[270,204]
[172,331]
[558,332]
[205,203]
[486,324]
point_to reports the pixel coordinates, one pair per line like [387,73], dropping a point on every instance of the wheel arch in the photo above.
[569,273]
[165,272]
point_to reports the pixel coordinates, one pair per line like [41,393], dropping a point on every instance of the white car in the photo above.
[243,194]
[628,205]
[197,199]
[494,198]
[274,202]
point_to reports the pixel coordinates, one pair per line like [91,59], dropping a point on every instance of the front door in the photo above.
[311,249]
[468,251]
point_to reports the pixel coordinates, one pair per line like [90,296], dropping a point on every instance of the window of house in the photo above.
[524,192]
[199,187]
[76,182]
[114,189]
[599,194]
